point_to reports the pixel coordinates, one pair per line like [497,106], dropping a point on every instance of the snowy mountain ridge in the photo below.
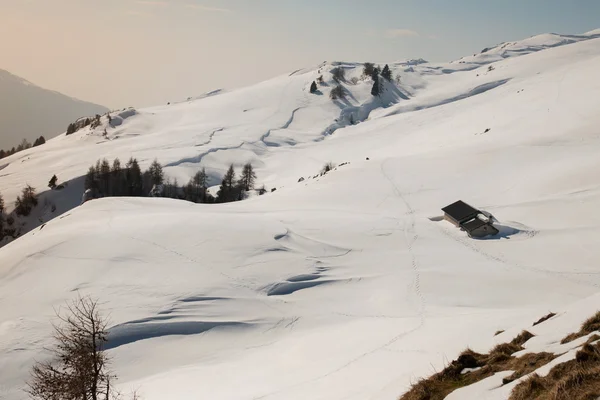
[348,285]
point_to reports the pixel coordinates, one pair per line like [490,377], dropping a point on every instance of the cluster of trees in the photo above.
[106,180]
[83,122]
[23,206]
[372,71]
[26,201]
[24,145]
[234,190]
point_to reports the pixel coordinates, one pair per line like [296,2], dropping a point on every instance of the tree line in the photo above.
[24,145]
[106,180]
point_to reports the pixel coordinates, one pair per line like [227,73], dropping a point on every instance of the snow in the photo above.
[342,286]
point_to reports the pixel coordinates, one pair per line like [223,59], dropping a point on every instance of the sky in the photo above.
[122,53]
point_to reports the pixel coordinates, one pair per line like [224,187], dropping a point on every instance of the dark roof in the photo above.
[473,224]
[460,211]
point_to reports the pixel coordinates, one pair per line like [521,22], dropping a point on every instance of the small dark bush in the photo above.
[337,92]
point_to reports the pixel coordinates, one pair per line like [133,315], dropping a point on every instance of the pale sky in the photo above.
[146,52]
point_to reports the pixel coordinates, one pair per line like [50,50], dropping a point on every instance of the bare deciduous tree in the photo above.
[78,369]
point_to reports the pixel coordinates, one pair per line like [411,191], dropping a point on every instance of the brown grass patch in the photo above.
[576,379]
[544,318]
[498,332]
[441,384]
[589,326]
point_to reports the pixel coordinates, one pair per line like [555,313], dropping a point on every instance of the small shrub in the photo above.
[354,80]
[313,87]
[327,167]
[498,332]
[320,80]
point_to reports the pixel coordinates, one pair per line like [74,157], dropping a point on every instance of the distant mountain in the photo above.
[28,111]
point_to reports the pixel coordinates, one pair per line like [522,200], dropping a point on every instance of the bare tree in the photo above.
[78,369]
[248,178]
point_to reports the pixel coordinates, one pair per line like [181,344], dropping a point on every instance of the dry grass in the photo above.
[589,326]
[438,386]
[498,332]
[576,379]
[526,364]
[544,318]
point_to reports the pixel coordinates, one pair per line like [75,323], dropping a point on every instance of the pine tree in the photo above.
[227,192]
[387,73]
[116,179]
[368,69]
[313,87]
[376,90]
[229,178]
[26,202]
[248,178]
[134,178]
[52,182]
[104,176]
[90,179]
[156,173]
[200,183]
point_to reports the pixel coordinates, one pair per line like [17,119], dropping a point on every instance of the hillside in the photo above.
[342,286]
[28,111]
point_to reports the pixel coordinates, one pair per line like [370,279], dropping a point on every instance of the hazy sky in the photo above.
[145,52]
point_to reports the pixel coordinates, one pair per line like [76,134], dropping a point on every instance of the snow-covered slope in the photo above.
[27,111]
[345,286]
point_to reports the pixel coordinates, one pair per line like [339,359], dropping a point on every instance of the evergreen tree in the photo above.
[200,184]
[52,182]
[313,87]
[134,178]
[227,192]
[26,202]
[116,167]
[104,177]
[117,180]
[229,178]
[376,90]
[248,178]
[368,69]
[156,173]
[387,73]
[90,179]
